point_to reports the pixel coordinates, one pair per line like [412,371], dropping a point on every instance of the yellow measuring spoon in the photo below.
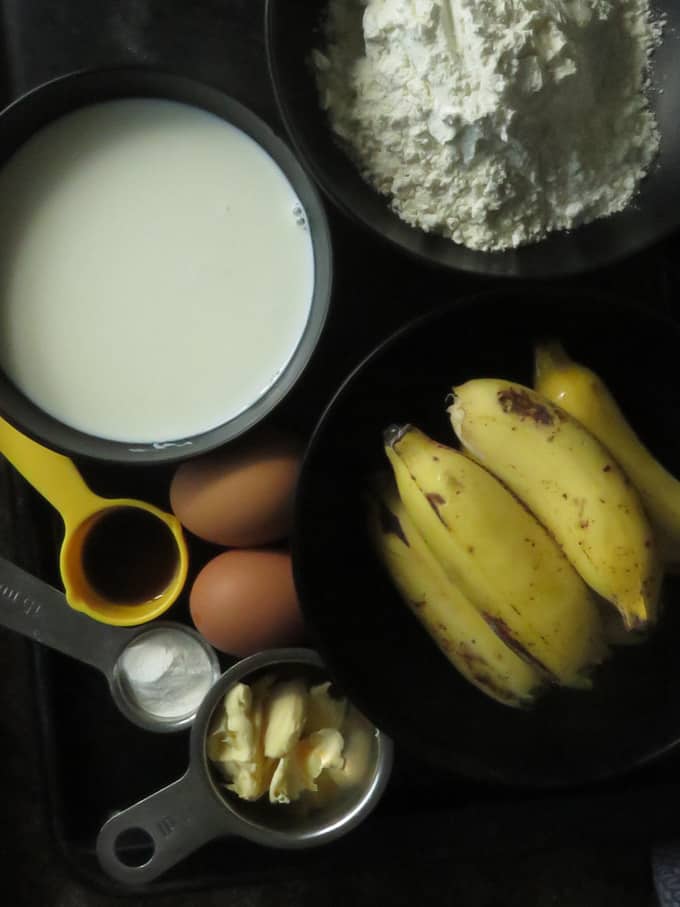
[122,561]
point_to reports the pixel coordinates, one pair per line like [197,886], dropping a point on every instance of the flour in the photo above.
[493,122]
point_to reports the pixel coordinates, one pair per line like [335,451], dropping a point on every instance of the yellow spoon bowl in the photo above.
[123,562]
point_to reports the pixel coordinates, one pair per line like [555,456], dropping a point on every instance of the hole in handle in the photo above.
[134,847]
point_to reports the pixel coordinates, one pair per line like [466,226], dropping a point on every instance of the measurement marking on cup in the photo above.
[166,825]
[8,592]
[28,605]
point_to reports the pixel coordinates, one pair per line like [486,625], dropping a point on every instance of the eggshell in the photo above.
[241,495]
[245,601]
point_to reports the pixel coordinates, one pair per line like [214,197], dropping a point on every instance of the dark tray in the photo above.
[94,761]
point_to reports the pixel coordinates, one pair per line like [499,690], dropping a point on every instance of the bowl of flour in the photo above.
[526,139]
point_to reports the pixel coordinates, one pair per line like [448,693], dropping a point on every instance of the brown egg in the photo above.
[240,496]
[245,601]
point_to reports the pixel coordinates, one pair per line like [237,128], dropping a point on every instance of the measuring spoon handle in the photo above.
[165,827]
[53,475]
[33,608]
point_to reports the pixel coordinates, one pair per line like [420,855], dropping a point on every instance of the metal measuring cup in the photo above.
[33,608]
[87,515]
[180,818]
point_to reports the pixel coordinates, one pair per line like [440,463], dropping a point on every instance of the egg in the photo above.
[245,601]
[241,495]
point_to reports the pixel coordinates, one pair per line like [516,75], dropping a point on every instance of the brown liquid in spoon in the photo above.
[129,556]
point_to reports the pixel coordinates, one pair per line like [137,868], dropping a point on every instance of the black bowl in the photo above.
[372,644]
[25,116]
[292,30]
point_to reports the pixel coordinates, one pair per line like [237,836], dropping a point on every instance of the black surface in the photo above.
[375,647]
[293,32]
[64,768]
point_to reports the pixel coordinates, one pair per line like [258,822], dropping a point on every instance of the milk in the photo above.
[156,270]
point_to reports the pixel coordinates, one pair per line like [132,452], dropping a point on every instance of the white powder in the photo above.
[166,673]
[493,122]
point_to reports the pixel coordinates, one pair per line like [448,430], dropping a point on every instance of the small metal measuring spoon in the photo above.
[33,608]
[121,594]
[180,818]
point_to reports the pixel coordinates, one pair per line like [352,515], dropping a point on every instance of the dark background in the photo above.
[589,863]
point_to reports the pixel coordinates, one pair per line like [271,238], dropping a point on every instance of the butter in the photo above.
[323,711]
[297,772]
[281,738]
[359,739]
[287,710]
[235,744]
[240,740]
[247,779]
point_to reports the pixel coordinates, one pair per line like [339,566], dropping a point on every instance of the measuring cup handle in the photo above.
[33,608]
[53,475]
[173,823]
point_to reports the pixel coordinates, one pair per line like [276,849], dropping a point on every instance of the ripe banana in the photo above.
[614,631]
[451,620]
[499,556]
[571,483]
[580,392]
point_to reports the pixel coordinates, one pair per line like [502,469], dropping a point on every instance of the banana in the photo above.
[615,633]
[450,619]
[571,483]
[499,557]
[580,392]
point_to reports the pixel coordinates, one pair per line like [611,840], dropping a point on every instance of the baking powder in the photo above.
[166,673]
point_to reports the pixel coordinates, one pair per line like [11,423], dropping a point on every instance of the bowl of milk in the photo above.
[165,266]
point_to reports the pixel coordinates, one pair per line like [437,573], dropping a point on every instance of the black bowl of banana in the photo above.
[487,530]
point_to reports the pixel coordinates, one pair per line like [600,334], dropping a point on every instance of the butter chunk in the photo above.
[240,740]
[298,771]
[286,713]
[245,779]
[323,711]
[358,752]
[236,743]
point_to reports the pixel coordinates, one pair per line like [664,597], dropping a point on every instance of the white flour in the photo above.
[493,122]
